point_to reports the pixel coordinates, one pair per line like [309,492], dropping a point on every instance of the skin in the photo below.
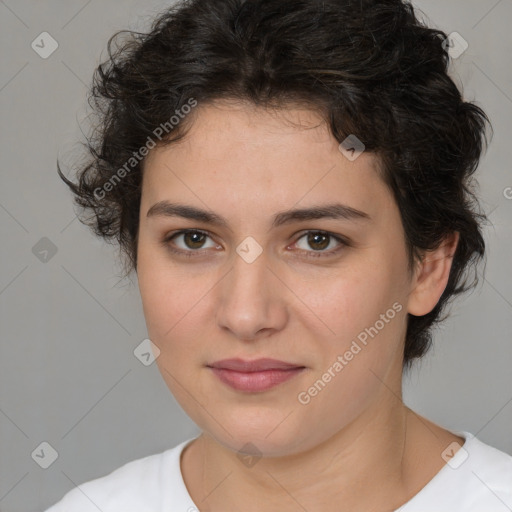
[355,442]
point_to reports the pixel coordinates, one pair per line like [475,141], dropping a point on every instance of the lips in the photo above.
[257,365]
[254,376]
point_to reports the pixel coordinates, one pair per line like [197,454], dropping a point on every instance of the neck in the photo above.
[362,466]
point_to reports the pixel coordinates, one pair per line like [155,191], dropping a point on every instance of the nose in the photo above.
[252,302]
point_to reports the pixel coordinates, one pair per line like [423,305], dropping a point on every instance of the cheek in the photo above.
[178,305]
[362,315]
[171,305]
[174,312]
[344,301]
[368,319]
[168,292]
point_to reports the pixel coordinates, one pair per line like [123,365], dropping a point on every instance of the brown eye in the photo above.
[194,239]
[319,241]
[187,241]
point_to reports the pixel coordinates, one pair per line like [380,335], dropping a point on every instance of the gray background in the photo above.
[68,375]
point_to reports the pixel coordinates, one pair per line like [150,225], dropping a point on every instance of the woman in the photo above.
[290,182]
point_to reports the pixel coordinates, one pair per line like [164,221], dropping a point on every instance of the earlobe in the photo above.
[431,277]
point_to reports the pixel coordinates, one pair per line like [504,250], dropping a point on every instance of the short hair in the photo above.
[371,68]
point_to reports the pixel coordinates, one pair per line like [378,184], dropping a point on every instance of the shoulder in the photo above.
[477,477]
[491,467]
[138,485]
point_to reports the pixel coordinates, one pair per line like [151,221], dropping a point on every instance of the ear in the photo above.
[431,277]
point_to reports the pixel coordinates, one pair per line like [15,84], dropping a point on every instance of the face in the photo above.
[326,293]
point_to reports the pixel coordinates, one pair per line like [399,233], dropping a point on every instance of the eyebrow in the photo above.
[328,211]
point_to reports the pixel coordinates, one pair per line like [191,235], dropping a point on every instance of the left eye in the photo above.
[320,240]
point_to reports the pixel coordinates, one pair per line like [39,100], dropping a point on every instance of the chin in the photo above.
[266,438]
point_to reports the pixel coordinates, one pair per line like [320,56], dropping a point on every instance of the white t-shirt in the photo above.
[478,478]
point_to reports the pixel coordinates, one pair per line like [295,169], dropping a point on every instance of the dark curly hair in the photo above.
[372,69]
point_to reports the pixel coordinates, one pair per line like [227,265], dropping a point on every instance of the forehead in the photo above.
[237,154]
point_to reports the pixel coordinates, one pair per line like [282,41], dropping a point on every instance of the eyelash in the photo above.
[310,254]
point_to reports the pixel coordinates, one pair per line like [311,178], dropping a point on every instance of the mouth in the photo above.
[254,376]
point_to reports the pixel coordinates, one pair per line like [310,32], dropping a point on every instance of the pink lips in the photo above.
[252,376]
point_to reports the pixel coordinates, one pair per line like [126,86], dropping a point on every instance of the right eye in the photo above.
[193,240]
